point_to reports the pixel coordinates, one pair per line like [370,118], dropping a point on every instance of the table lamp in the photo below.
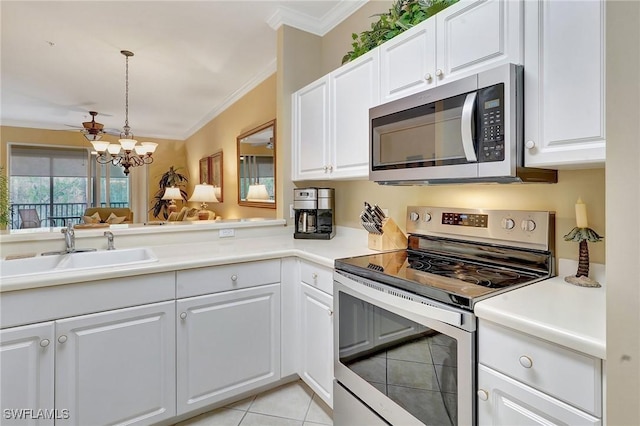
[204,194]
[172,193]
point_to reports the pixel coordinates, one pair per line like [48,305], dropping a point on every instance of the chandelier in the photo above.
[127,153]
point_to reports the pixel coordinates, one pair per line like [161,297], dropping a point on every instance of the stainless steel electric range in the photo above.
[405,339]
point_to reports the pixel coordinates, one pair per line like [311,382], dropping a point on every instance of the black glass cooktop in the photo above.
[447,279]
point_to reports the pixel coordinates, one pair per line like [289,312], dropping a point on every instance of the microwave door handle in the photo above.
[466,127]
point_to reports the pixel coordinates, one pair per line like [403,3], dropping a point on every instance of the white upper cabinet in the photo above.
[331,122]
[475,35]
[310,133]
[408,62]
[564,84]
[466,38]
[354,89]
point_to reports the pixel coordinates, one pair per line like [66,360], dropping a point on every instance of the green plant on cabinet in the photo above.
[403,15]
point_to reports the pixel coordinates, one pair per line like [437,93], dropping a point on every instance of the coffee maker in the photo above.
[314,215]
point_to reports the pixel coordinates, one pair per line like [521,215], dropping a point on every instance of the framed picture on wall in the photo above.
[215,173]
[211,172]
[204,170]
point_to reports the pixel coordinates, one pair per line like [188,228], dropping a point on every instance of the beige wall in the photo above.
[255,108]
[169,152]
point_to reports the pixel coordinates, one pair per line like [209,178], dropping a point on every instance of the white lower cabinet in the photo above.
[316,315]
[117,367]
[227,343]
[27,379]
[505,401]
[526,380]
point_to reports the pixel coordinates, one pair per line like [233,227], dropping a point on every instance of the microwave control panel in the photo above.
[491,123]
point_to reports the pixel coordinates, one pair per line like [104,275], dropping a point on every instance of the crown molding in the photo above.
[234,97]
[318,26]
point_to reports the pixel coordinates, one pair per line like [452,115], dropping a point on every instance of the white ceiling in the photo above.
[61,59]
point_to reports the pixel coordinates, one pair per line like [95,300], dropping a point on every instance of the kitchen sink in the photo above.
[75,261]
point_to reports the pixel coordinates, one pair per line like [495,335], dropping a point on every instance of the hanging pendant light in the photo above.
[127,153]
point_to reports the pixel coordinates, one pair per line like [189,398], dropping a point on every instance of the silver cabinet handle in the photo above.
[330,168]
[44,343]
[314,275]
[525,361]
[234,278]
[529,144]
[428,77]
[439,73]
[183,315]
[330,312]
[326,168]
[466,127]
[62,339]
[483,394]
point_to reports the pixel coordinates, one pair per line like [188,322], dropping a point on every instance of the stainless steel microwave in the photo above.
[469,130]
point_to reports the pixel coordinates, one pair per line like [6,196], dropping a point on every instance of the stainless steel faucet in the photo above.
[109,236]
[69,237]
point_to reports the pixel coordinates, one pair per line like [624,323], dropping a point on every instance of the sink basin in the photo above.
[75,261]
[29,266]
[107,258]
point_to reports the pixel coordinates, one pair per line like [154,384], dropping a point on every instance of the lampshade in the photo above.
[204,193]
[172,193]
[100,146]
[257,192]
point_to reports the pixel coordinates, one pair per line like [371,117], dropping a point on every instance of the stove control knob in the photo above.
[507,223]
[413,216]
[426,217]
[528,225]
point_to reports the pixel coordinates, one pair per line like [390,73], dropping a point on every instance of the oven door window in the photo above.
[428,135]
[413,365]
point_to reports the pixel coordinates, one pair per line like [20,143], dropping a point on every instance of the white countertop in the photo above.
[280,243]
[554,310]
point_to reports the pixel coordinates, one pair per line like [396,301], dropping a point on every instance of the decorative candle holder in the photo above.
[582,236]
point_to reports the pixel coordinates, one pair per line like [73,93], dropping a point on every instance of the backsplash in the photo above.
[560,198]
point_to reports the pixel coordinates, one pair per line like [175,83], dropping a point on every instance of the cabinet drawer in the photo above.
[215,279]
[565,374]
[317,276]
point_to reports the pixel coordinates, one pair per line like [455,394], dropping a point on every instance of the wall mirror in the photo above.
[211,172]
[257,166]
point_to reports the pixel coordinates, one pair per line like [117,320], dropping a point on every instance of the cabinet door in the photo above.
[310,133]
[354,89]
[117,366]
[316,309]
[26,373]
[408,62]
[227,343]
[475,35]
[564,83]
[504,401]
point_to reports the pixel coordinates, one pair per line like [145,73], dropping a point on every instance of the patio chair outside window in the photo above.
[29,218]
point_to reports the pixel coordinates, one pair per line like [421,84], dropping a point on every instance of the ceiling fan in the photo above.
[93,130]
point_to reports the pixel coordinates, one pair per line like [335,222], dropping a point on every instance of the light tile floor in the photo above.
[292,404]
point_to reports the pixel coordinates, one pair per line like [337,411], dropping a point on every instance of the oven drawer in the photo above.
[317,276]
[565,374]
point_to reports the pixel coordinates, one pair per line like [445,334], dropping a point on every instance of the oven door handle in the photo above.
[466,127]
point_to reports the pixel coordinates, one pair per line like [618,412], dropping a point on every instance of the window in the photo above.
[256,169]
[60,183]
[53,181]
